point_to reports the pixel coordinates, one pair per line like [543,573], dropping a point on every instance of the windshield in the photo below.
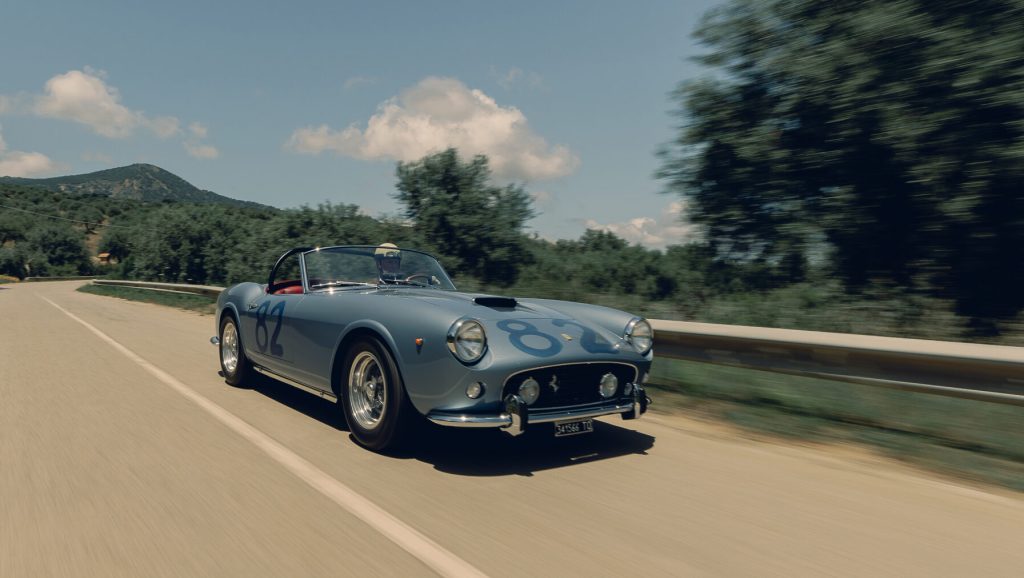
[335,267]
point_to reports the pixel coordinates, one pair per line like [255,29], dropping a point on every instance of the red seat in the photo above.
[290,287]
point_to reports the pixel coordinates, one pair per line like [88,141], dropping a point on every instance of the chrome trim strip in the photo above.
[579,413]
[505,420]
[293,383]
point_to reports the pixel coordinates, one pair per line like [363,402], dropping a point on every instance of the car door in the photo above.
[312,331]
[266,333]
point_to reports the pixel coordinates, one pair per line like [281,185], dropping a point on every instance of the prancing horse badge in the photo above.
[567,337]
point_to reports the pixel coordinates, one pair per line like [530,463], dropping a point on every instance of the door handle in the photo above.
[253,306]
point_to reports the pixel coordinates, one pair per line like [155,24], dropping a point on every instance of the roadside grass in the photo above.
[200,303]
[969,439]
[7,279]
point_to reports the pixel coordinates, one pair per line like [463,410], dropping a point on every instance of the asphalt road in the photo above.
[123,453]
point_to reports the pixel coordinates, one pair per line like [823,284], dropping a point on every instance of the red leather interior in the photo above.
[290,287]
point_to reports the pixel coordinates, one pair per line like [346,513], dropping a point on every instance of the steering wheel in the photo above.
[424,276]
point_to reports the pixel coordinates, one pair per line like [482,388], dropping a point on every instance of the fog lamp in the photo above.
[529,390]
[475,390]
[609,385]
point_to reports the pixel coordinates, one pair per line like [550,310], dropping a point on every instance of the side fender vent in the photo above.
[488,301]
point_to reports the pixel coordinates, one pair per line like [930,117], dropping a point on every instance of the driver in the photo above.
[389,261]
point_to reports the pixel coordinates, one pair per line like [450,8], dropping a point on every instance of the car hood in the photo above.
[479,305]
[538,328]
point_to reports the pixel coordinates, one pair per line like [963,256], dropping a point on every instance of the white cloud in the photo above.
[84,97]
[23,164]
[668,228]
[194,145]
[201,151]
[198,130]
[438,113]
[163,126]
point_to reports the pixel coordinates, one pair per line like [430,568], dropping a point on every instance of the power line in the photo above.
[63,218]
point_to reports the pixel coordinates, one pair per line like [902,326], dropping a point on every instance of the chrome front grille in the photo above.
[571,384]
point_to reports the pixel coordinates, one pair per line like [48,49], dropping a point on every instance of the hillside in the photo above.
[141,182]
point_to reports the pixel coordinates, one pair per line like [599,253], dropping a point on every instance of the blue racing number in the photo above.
[263,334]
[524,329]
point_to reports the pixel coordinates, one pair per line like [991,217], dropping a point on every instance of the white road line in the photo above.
[426,550]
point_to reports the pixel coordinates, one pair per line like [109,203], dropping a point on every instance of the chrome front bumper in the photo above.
[517,414]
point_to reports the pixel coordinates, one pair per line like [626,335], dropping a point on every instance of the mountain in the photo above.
[141,182]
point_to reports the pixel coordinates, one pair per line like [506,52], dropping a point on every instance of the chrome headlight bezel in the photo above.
[458,343]
[640,335]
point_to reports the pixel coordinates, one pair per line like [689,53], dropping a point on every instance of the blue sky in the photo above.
[300,103]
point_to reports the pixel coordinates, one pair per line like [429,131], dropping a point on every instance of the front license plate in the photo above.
[573,427]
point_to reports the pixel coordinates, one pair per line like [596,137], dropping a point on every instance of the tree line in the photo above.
[450,208]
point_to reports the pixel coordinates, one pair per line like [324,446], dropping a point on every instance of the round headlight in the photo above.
[467,340]
[640,334]
[529,390]
[609,385]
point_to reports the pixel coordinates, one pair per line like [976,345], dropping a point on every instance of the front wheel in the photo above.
[373,396]
[233,362]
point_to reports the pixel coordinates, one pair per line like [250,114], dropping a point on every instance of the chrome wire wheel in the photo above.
[229,347]
[367,390]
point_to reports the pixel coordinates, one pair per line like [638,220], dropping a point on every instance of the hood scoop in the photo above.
[489,301]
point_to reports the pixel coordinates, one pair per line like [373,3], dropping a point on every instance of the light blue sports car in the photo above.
[384,332]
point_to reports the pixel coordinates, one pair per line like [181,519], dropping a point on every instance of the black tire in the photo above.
[243,368]
[375,428]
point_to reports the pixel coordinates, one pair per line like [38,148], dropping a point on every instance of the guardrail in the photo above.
[71,278]
[992,373]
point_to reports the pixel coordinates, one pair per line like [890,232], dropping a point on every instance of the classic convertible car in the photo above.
[384,331]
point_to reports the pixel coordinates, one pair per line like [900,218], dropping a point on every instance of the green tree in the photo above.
[477,226]
[13,226]
[117,241]
[12,262]
[892,131]
[56,249]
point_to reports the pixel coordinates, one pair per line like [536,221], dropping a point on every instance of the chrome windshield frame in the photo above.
[380,283]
